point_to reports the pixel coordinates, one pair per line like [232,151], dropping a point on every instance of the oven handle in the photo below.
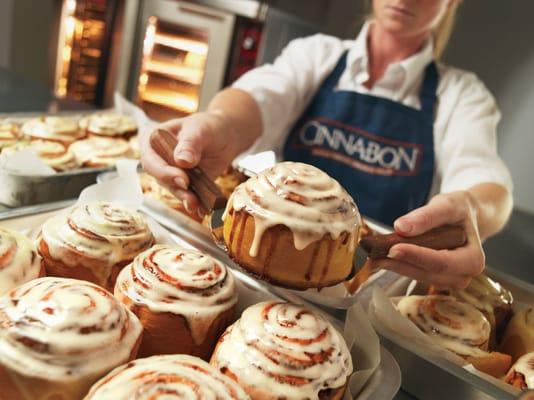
[200,12]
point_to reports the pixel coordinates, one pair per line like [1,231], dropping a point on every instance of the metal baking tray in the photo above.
[383,384]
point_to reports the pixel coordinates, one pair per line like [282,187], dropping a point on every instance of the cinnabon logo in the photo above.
[359,149]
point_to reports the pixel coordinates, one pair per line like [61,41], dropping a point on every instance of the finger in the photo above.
[413,272]
[440,211]
[169,175]
[467,260]
[188,152]
[189,200]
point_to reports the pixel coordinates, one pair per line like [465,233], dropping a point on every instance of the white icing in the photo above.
[63,329]
[100,231]
[306,346]
[53,128]
[300,197]
[525,366]
[108,124]
[54,154]
[9,134]
[19,261]
[101,151]
[180,281]
[166,377]
[467,331]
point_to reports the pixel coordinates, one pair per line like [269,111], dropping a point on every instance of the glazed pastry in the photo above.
[488,296]
[58,336]
[54,154]
[518,337]
[521,375]
[228,181]
[459,327]
[109,124]
[293,215]
[169,377]
[280,350]
[101,152]
[9,134]
[93,242]
[184,299]
[59,129]
[19,262]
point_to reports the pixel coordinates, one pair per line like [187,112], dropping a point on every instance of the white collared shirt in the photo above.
[466,119]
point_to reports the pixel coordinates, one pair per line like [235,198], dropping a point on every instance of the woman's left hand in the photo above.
[443,268]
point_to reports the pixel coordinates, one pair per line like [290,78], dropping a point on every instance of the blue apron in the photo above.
[381,151]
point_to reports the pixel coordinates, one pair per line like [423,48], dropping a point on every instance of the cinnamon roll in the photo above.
[101,152]
[293,225]
[166,377]
[518,337]
[9,134]
[229,180]
[184,299]
[109,124]
[93,242]
[521,375]
[459,327]
[54,154]
[58,336]
[281,350]
[58,129]
[19,261]
[488,296]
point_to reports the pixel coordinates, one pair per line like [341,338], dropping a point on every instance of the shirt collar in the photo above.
[410,68]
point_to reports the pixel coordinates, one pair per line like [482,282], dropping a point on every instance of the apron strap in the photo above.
[429,87]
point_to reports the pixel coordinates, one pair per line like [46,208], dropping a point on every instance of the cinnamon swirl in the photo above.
[521,375]
[54,154]
[293,225]
[93,242]
[59,129]
[518,337]
[19,262]
[166,377]
[101,152]
[58,336]
[458,327]
[109,124]
[281,350]
[184,299]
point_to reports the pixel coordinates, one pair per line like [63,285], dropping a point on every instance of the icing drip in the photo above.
[101,151]
[166,377]
[457,326]
[525,366]
[64,329]
[285,350]
[100,231]
[54,154]
[19,262]
[180,281]
[299,196]
[108,124]
[53,128]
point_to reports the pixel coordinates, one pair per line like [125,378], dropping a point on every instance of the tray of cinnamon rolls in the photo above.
[67,152]
[99,301]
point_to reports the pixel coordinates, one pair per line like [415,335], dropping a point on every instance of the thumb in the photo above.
[188,151]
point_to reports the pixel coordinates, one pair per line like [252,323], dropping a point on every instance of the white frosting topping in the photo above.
[166,377]
[54,154]
[484,293]
[108,124]
[525,366]
[457,326]
[286,350]
[19,261]
[64,329]
[300,197]
[101,231]
[53,128]
[180,281]
[101,151]
[9,134]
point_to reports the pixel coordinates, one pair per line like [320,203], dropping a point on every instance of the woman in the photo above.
[381,116]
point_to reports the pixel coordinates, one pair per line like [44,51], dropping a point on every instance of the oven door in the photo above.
[183,52]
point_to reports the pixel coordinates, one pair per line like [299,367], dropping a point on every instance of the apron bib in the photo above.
[381,151]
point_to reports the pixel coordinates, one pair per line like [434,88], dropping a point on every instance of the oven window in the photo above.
[172,69]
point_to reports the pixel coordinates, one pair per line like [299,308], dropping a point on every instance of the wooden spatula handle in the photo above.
[209,194]
[445,237]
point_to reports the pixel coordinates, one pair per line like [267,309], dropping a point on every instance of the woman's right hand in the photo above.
[205,139]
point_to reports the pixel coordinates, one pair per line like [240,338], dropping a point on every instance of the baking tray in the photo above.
[383,384]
